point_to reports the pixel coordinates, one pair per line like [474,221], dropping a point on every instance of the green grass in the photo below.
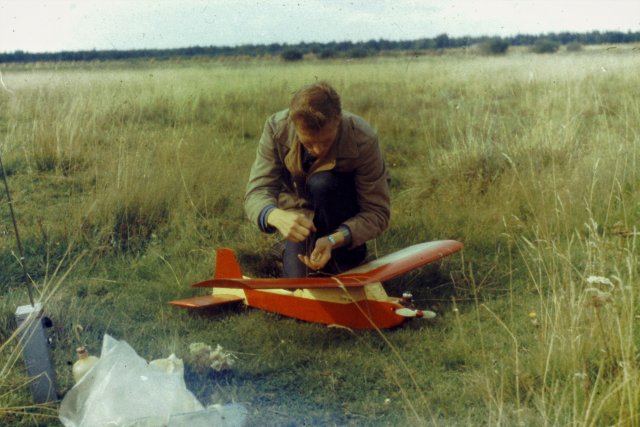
[126,177]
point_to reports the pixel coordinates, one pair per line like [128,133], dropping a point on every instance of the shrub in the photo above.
[574,47]
[292,55]
[326,54]
[357,52]
[544,45]
[494,46]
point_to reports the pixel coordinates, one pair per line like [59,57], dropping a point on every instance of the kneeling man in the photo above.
[320,180]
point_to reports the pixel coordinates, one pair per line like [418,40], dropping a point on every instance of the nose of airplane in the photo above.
[410,312]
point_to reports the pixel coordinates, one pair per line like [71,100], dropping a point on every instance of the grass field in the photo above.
[126,177]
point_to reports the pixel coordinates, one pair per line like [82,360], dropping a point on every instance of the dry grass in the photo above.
[530,160]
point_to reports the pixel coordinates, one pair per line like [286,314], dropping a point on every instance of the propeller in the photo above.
[410,312]
[409,309]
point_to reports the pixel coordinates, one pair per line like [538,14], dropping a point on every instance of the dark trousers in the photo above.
[334,198]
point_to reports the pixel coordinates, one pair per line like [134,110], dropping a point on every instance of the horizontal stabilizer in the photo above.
[205,301]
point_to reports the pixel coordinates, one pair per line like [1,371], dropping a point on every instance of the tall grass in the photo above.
[15,405]
[530,161]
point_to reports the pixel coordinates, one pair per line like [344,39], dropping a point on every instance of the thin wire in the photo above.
[27,279]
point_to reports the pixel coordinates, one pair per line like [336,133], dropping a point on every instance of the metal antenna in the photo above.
[27,279]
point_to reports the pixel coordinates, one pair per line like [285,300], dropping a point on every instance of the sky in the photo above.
[69,25]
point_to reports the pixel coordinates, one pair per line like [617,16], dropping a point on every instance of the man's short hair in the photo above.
[315,105]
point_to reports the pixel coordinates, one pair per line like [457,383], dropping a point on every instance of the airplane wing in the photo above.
[403,261]
[379,270]
[301,283]
[205,301]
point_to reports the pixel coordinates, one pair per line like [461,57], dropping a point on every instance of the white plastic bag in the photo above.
[122,389]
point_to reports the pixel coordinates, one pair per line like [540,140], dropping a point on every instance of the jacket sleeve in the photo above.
[372,186]
[265,178]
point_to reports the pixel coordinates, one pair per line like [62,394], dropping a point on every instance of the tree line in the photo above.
[324,50]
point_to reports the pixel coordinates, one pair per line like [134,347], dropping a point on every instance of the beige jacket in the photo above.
[355,150]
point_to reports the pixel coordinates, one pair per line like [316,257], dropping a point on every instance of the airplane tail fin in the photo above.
[227,266]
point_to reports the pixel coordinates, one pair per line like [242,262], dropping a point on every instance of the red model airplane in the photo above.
[354,299]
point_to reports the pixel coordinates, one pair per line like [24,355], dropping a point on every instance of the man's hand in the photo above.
[320,256]
[293,226]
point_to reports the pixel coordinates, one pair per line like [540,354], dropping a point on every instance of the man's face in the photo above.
[318,143]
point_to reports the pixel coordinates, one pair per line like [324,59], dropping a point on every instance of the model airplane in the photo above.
[354,299]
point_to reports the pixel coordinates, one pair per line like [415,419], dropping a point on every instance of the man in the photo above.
[320,180]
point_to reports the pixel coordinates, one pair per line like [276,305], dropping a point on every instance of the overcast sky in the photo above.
[55,25]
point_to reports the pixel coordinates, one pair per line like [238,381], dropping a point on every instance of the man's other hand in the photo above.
[320,256]
[294,226]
